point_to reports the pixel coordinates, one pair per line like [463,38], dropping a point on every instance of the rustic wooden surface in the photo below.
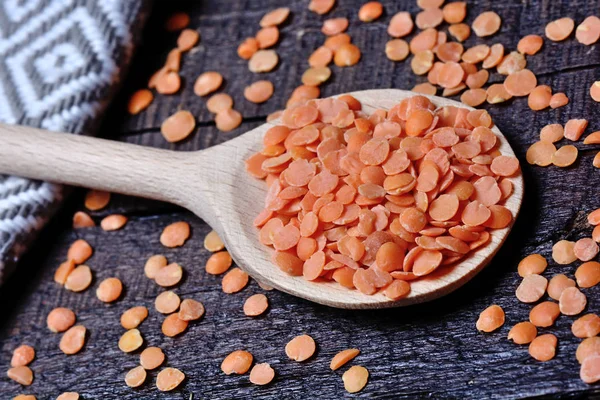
[431,350]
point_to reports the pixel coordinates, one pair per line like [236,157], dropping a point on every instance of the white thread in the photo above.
[21,224]
[45,15]
[40,195]
[47,64]
[11,183]
[6,113]
[16,11]
[36,105]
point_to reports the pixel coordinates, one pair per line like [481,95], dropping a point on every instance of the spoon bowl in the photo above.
[214,184]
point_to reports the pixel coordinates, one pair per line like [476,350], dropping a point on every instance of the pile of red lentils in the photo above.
[424,184]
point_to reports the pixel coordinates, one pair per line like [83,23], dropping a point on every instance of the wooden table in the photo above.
[432,350]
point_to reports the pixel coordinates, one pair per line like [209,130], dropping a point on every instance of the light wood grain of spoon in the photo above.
[213,184]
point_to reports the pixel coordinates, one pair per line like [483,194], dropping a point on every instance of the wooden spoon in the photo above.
[214,185]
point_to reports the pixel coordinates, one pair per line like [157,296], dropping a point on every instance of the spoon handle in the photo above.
[92,163]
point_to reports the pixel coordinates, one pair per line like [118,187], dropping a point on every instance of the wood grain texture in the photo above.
[425,351]
[211,182]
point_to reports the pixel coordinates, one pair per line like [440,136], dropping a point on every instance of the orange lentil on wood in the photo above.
[355,379]
[588,32]
[135,377]
[544,314]
[113,222]
[300,348]
[27,397]
[175,234]
[178,126]
[370,11]
[79,279]
[234,281]
[190,310]
[256,305]
[530,44]
[262,374]
[79,251]
[560,29]
[168,379]
[455,12]
[167,302]
[187,39]
[237,362]
[595,91]
[532,264]
[68,396]
[557,284]
[131,341]
[531,288]
[154,264]
[522,333]
[342,358]
[173,325]
[207,83]
[73,340]
[22,355]
[60,319]
[552,133]
[247,48]
[543,347]
[169,275]
[572,301]
[275,17]
[565,156]
[152,358]
[109,290]
[22,375]
[218,263]
[460,32]
[486,24]
[574,128]
[219,102]
[539,98]
[227,120]
[592,138]
[587,348]
[588,274]
[82,220]
[133,317]
[400,25]
[259,92]
[586,326]
[139,101]
[558,100]
[590,369]
[63,271]
[490,319]
[267,37]
[263,61]
[563,253]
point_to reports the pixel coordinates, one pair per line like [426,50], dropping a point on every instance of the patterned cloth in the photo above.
[60,63]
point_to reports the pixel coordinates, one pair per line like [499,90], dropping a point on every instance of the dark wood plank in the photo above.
[432,350]
[426,350]
[223,27]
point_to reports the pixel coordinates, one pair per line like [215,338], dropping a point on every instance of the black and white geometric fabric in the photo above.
[60,63]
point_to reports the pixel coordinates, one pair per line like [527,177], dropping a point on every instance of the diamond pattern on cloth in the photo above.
[60,63]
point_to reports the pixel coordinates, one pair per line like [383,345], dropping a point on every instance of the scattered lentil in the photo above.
[234,281]
[187,39]
[522,333]
[178,126]
[262,374]
[544,314]
[486,24]
[557,284]
[586,326]
[238,362]
[131,341]
[300,348]
[572,301]
[135,377]
[563,252]
[588,347]
[342,358]
[190,310]
[173,326]
[139,101]
[79,279]
[73,340]
[167,302]
[263,61]
[355,379]
[490,319]
[154,264]
[22,375]
[175,234]
[169,275]
[255,305]
[532,288]
[168,379]
[588,274]
[22,355]
[152,358]
[133,317]
[560,29]
[370,11]
[543,347]
[259,92]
